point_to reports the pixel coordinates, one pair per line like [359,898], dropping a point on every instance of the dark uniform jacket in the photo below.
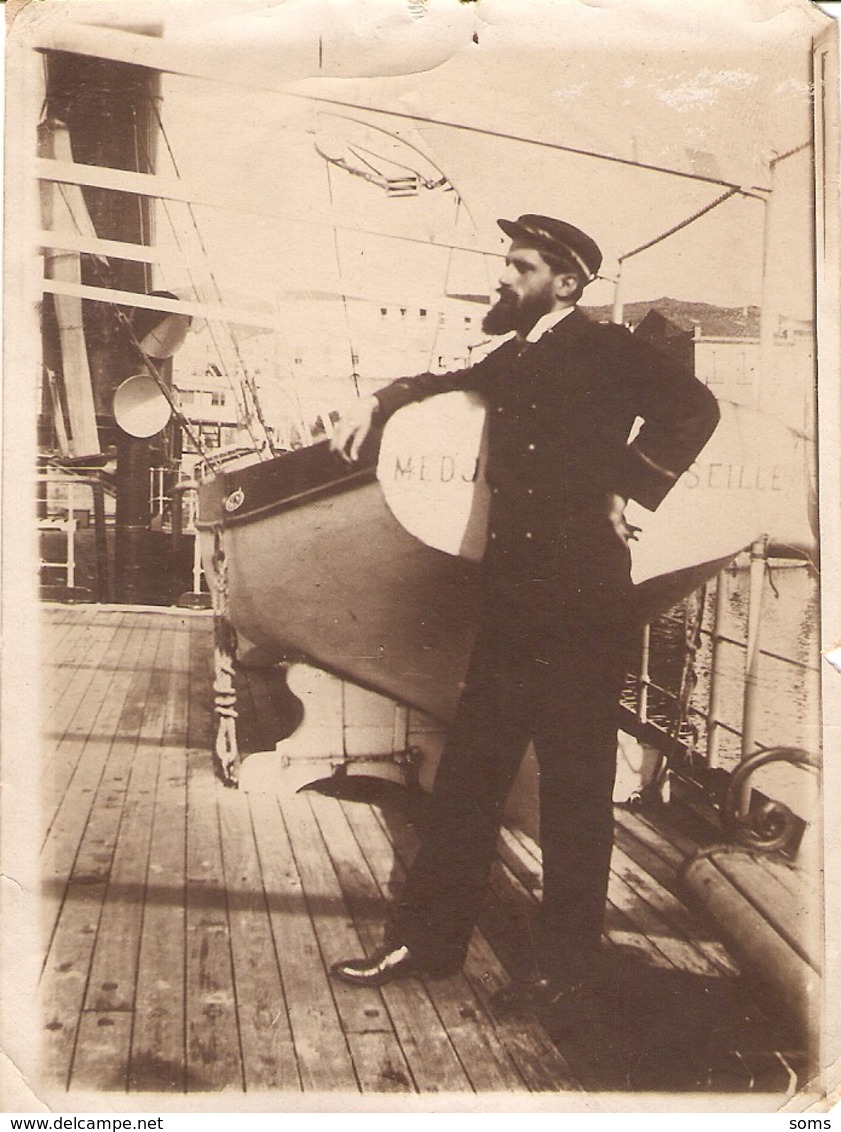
[561,413]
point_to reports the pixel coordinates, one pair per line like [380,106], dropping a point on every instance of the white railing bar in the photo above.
[210,311]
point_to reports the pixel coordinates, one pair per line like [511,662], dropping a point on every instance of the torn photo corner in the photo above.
[232,224]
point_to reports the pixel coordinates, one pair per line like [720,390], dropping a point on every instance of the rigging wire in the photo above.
[447,269]
[224,371]
[358,150]
[144,235]
[681,225]
[197,287]
[353,356]
[250,383]
[100,269]
[757,191]
[789,153]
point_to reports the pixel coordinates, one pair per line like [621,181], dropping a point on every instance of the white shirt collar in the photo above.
[547,322]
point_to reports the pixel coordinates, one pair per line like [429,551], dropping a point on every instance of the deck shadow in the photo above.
[657,1029]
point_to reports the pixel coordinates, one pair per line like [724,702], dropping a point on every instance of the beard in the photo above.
[520,314]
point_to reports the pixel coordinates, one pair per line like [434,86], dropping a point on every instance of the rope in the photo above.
[249,383]
[789,153]
[683,224]
[225,750]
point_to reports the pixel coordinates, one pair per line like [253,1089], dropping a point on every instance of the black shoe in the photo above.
[384,966]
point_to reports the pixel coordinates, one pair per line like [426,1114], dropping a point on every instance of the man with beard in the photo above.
[563,394]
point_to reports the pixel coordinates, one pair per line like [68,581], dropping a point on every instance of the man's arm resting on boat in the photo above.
[354,425]
[405,390]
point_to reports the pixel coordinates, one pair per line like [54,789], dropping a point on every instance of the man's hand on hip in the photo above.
[352,429]
[615,507]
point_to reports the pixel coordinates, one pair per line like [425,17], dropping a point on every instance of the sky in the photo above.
[718,90]
[479,96]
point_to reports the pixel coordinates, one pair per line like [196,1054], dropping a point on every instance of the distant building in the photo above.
[729,366]
[324,354]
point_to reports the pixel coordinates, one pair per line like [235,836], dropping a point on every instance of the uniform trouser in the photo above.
[561,691]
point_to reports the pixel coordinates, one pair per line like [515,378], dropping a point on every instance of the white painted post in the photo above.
[758,560]
[644,681]
[714,705]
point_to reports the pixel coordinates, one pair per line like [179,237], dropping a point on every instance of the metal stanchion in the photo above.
[714,705]
[69,526]
[758,562]
[644,678]
[196,598]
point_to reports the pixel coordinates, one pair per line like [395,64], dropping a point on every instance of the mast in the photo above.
[108,108]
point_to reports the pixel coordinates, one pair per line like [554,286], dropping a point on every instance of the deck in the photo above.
[189,928]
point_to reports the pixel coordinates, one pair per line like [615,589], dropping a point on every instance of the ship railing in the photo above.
[65,503]
[679,718]
[160,499]
[758,882]
[185,502]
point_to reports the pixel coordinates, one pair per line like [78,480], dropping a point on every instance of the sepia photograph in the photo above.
[422,631]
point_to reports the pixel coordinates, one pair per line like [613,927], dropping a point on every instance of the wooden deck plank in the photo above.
[472,1034]
[158,1054]
[110,982]
[96,723]
[100,1063]
[57,619]
[214,1061]
[324,1060]
[62,987]
[360,1009]
[674,915]
[114,969]
[93,820]
[645,1007]
[429,1052]
[518,858]
[632,822]
[200,718]
[268,1054]
[58,675]
[60,643]
[63,743]
[178,691]
[99,839]
[522,856]
[536,1059]
[379,1062]
[682,955]
[85,664]
[685,834]
[270,904]
[648,859]
[75,652]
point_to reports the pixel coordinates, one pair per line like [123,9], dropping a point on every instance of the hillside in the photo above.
[714,322]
